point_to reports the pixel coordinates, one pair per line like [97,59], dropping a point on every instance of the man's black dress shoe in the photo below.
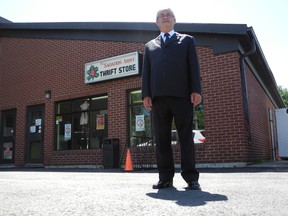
[163,184]
[194,185]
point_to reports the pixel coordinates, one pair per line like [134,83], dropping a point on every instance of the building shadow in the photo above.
[187,197]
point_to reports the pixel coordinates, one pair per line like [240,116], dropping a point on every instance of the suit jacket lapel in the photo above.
[159,40]
[172,39]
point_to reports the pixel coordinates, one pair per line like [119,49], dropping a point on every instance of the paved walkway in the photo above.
[256,190]
[272,164]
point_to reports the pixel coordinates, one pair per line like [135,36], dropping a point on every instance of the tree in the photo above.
[284,94]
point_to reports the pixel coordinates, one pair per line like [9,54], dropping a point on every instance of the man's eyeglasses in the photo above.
[162,16]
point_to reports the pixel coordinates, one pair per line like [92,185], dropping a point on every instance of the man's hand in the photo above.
[195,98]
[147,101]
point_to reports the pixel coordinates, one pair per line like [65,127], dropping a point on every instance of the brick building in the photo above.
[56,111]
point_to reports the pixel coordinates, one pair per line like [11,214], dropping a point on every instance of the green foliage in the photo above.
[199,117]
[284,94]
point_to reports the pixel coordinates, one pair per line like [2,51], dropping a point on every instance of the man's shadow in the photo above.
[187,197]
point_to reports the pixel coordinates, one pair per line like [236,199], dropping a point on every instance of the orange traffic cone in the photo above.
[128,164]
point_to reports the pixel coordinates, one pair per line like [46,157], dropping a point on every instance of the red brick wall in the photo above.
[31,66]
[223,109]
[260,147]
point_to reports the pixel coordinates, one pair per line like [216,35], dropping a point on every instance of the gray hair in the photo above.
[159,11]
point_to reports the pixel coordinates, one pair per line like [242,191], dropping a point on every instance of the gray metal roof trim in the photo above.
[235,29]
[81,26]
[268,76]
[239,29]
[3,20]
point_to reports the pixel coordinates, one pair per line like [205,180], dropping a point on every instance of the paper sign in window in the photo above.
[67,132]
[100,120]
[38,122]
[140,123]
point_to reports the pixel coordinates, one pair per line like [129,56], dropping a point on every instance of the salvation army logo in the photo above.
[140,122]
[92,73]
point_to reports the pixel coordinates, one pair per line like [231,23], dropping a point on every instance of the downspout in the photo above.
[244,82]
[272,127]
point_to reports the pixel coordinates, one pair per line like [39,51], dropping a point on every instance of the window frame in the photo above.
[135,140]
[71,115]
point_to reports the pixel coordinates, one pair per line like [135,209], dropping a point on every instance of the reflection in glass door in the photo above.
[35,134]
[7,136]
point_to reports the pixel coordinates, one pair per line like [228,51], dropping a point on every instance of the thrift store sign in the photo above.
[112,68]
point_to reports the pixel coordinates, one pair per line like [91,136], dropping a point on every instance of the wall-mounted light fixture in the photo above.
[47,94]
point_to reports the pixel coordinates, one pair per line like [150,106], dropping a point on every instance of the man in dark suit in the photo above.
[171,86]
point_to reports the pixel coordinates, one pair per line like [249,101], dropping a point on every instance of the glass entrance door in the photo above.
[7,136]
[35,134]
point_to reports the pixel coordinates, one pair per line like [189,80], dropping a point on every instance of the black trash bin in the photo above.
[111,153]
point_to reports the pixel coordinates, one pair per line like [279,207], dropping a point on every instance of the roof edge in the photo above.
[3,20]
[128,26]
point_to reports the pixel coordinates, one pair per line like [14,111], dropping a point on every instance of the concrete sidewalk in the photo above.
[272,164]
[252,190]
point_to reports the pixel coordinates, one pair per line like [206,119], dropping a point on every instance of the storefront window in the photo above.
[140,120]
[141,129]
[82,123]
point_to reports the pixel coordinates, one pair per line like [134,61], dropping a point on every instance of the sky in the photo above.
[267,18]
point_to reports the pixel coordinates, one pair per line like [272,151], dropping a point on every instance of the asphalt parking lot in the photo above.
[256,190]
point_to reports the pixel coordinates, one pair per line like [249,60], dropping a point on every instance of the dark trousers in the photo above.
[164,109]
